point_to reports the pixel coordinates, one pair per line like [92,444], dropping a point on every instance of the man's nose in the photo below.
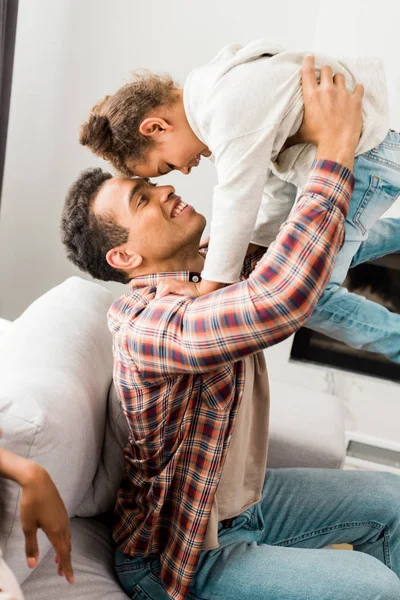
[166,191]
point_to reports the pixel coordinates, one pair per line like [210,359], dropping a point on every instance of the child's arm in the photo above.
[243,168]
[194,290]
[206,287]
[186,288]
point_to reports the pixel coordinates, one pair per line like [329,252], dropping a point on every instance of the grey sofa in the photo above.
[58,406]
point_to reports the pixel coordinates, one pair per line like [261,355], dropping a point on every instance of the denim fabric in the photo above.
[274,550]
[348,317]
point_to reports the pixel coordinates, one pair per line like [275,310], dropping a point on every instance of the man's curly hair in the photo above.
[87,236]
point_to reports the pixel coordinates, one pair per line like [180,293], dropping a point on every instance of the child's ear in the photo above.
[154,127]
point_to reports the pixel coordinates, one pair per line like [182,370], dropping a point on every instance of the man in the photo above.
[197,514]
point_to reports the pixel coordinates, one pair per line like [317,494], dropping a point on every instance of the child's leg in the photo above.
[349,317]
[359,323]
[383,239]
[341,316]
[377,187]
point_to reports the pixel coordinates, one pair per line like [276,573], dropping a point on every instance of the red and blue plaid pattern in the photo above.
[179,372]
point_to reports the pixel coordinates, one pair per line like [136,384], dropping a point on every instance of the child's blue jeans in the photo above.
[349,317]
[273,551]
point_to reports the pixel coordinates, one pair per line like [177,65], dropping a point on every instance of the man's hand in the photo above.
[332,115]
[42,507]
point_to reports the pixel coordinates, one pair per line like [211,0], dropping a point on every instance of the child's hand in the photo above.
[204,242]
[42,507]
[181,288]
[186,288]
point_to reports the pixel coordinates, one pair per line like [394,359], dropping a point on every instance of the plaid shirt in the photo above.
[179,372]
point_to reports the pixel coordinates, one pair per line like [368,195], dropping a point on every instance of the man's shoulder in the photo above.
[128,306]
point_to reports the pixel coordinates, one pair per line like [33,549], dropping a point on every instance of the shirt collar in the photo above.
[153,278]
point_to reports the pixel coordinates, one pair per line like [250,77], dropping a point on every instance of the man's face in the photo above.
[179,150]
[161,226]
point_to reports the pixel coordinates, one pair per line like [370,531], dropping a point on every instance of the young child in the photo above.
[245,110]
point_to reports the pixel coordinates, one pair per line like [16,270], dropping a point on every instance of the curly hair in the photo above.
[112,128]
[87,236]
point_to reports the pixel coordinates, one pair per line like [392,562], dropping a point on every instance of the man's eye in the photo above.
[151,183]
[143,198]
[171,167]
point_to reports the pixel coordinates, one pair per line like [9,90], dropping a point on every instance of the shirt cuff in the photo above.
[332,181]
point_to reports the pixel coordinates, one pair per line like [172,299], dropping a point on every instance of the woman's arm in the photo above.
[41,507]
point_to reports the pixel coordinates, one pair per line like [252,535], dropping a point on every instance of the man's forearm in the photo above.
[293,274]
[336,153]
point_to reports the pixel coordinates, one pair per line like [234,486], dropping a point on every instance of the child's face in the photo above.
[176,148]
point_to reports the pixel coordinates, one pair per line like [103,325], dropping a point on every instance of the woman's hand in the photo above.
[42,507]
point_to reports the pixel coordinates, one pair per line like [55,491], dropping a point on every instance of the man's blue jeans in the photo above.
[348,317]
[274,550]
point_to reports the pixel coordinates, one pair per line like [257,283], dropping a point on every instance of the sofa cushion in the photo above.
[93,564]
[101,495]
[55,372]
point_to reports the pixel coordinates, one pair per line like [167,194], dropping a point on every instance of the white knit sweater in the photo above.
[244,106]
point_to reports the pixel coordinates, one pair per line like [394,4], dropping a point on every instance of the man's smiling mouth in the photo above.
[178,208]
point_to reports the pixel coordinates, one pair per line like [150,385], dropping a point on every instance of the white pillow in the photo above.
[55,372]
[102,493]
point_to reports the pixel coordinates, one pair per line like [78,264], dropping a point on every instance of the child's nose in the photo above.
[185,170]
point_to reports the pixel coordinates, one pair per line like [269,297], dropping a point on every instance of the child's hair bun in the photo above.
[96,133]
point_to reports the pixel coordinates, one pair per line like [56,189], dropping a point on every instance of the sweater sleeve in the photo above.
[242,167]
[277,201]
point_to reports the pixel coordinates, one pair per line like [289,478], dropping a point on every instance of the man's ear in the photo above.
[120,258]
[154,127]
